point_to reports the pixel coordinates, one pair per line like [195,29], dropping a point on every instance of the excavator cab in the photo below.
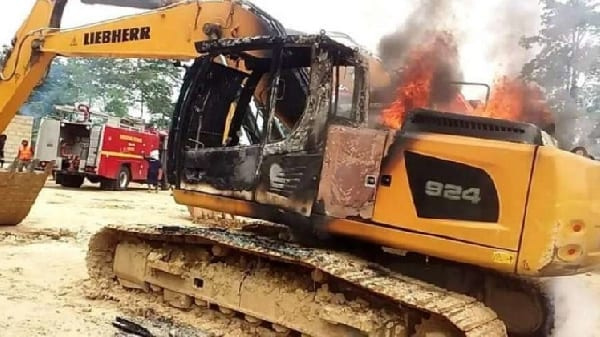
[254,120]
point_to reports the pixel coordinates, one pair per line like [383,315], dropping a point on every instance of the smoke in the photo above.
[424,49]
[501,23]
[429,16]
[511,21]
[577,307]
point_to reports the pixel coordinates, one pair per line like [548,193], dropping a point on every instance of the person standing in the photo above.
[154,171]
[24,156]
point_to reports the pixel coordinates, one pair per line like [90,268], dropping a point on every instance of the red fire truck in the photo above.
[111,153]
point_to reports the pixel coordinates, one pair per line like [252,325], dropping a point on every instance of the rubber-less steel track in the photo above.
[146,258]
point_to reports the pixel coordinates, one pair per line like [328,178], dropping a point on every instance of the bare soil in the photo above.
[43,273]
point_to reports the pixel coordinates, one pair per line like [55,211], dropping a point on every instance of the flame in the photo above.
[418,76]
[515,100]
[424,83]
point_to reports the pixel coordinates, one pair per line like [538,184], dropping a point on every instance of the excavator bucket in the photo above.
[20,191]
[143,4]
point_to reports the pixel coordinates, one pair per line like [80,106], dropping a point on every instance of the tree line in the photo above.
[567,65]
[110,85]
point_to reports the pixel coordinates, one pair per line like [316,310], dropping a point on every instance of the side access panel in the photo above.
[351,168]
[461,188]
[46,148]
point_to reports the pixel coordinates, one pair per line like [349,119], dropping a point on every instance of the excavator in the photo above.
[451,226]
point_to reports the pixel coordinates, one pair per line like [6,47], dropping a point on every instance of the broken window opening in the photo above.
[344,94]
[231,106]
[214,107]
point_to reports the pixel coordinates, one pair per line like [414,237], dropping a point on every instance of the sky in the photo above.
[480,24]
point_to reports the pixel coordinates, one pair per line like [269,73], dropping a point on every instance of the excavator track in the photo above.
[525,305]
[293,289]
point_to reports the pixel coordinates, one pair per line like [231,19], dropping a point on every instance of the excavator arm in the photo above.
[164,33]
[24,67]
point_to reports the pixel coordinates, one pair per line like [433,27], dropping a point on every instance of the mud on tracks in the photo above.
[465,313]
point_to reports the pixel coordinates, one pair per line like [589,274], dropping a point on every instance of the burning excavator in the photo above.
[439,224]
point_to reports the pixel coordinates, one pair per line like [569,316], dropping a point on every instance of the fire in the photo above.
[515,100]
[422,67]
[425,82]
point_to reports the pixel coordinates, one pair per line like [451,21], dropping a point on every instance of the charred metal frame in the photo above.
[286,173]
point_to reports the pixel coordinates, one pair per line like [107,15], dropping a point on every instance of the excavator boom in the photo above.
[164,33]
[24,67]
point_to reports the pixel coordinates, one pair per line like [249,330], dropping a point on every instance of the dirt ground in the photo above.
[43,272]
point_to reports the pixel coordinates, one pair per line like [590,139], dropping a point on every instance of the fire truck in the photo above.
[107,150]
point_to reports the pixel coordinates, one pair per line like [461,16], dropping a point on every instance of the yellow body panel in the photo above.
[431,245]
[497,259]
[562,226]
[215,203]
[508,164]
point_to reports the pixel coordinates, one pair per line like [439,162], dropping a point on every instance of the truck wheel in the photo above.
[108,184]
[123,178]
[71,181]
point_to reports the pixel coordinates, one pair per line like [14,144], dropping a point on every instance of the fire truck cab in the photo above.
[112,153]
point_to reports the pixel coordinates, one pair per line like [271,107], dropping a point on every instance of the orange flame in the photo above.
[420,86]
[415,88]
[513,99]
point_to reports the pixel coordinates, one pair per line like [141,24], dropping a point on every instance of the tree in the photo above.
[112,85]
[568,60]
[152,82]
[117,106]
[57,88]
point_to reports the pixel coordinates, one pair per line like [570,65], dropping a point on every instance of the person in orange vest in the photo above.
[25,155]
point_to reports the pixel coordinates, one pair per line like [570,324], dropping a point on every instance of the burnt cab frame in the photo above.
[300,78]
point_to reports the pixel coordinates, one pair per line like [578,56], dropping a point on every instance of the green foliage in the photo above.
[568,62]
[117,107]
[112,85]
[57,89]
[154,81]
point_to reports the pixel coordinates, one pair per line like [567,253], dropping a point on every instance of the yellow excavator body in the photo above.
[542,228]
